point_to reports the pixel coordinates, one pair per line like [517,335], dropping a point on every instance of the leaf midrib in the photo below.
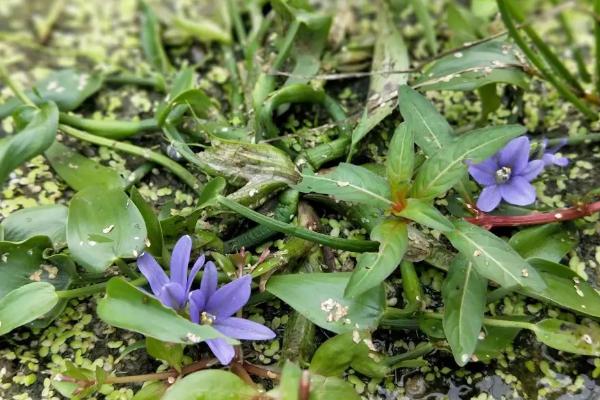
[350,184]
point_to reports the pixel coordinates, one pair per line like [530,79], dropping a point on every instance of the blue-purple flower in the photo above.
[216,307]
[172,291]
[549,156]
[507,176]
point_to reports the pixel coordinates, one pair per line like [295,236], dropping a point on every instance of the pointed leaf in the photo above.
[320,298]
[348,182]
[425,214]
[151,40]
[446,168]
[430,129]
[464,293]
[373,268]
[400,160]
[127,307]
[493,258]
[25,304]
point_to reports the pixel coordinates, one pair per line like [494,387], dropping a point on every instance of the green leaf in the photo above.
[151,40]
[464,25]
[171,353]
[390,53]
[36,137]
[155,234]
[289,385]
[567,336]
[429,128]
[564,288]
[490,100]
[104,225]
[24,262]
[151,391]
[400,160]
[464,293]
[496,341]
[351,349]
[425,214]
[373,268]
[80,172]
[320,298]
[331,388]
[493,61]
[127,307]
[25,304]
[446,168]
[550,241]
[420,9]
[493,258]
[196,99]
[211,384]
[348,182]
[49,220]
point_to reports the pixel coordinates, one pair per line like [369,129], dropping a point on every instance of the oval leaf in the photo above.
[210,385]
[570,337]
[49,220]
[104,225]
[25,304]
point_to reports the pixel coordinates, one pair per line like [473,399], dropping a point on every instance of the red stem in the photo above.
[536,218]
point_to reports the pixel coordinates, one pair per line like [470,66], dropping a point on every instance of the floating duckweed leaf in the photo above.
[104,225]
[25,304]
[128,307]
[320,298]
[494,61]
[80,172]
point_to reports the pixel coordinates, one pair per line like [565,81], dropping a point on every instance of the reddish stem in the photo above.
[536,218]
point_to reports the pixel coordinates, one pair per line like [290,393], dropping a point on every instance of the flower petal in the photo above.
[551,159]
[153,272]
[197,266]
[222,350]
[533,169]
[172,295]
[197,303]
[489,198]
[240,328]
[230,298]
[515,154]
[210,279]
[180,258]
[518,191]
[484,173]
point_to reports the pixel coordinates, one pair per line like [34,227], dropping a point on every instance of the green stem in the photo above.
[577,52]
[45,27]
[112,129]
[589,138]
[539,63]
[501,323]
[237,103]
[156,82]
[238,25]
[92,289]
[150,155]
[325,240]
[138,174]
[420,350]
[125,269]
[16,89]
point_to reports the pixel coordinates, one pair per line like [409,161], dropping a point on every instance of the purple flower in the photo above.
[172,292]
[506,175]
[549,156]
[212,306]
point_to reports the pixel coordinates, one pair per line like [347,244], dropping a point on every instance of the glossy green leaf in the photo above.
[495,342]
[422,212]
[171,353]
[104,225]
[49,220]
[320,298]
[446,168]
[373,268]
[570,337]
[196,99]
[24,262]
[348,182]
[400,160]
[79,171]
[31,141]
[493,61]
[564,288]
[151,391]
[430,129]
[331,388]
[493,258]
[128,307]
[351,349]
[151,40]
[550,241]
[390,53]
[155,234]
[464,293]
[211,384]
[25,304]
